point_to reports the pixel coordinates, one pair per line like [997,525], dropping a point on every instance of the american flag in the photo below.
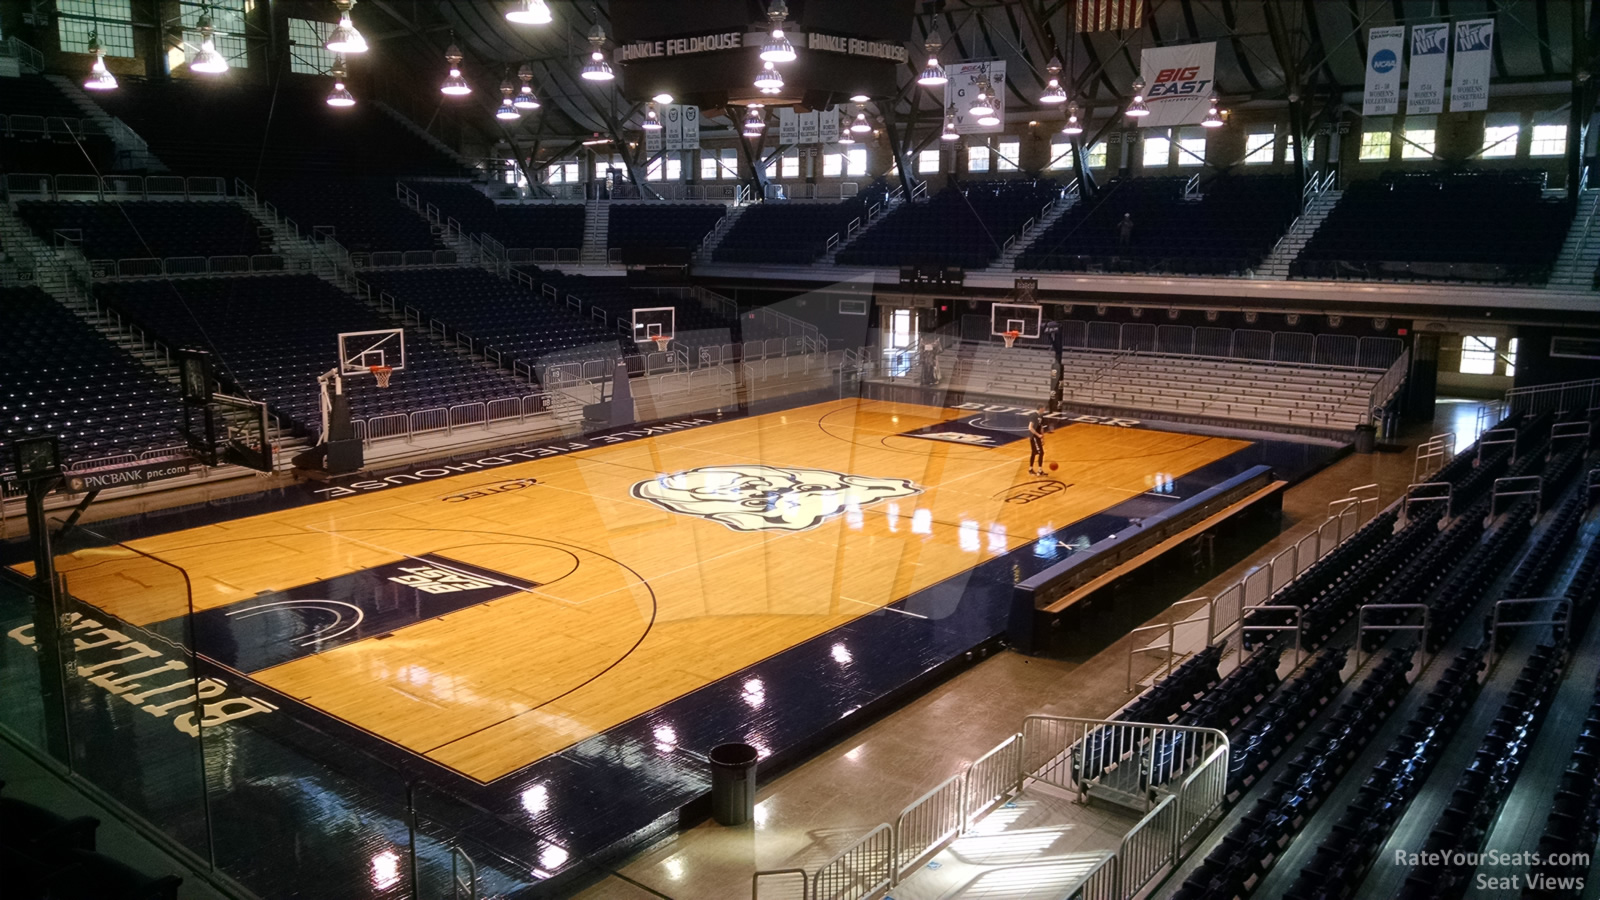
[1109,15]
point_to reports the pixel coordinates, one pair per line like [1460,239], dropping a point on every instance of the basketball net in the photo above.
[382,373]
[1010,337]
[661,341]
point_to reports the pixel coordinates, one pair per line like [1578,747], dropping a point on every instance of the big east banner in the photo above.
[1179,82]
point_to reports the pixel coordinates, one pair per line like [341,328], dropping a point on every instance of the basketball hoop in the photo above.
[661,341]
[1010,337]
[381,373]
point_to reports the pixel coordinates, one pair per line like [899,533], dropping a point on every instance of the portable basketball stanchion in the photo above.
[382,373]
[1010,337]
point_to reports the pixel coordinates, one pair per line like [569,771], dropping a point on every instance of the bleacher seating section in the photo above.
[795,233]
[617,300]
[965,225]
[495,312]
[273,335]
[219,128]
[1383,564]
[148,228]
[1262,391]
[363,213]
[59,376]
[552,226]
[1573,824]
[1224,230]
[42,131]
[44,855]
[1474,226]
[665,233]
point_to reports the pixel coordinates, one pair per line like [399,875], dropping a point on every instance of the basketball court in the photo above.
[484,615]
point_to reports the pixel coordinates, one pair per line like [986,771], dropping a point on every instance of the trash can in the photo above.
[1366,438]
[733,783]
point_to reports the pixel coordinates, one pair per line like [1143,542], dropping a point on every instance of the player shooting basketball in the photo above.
[1036,442]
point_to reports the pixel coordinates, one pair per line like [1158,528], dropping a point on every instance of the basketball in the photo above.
[1054,466]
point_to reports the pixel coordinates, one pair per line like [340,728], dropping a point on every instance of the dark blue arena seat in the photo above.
[796,233]
[534,226]
[222,127]
[149,228]
[497,313]
[1226,229]
[41,130]
[59,376]
[664,233]
[363,213]
[273,335]
[965,225]
[1469,226]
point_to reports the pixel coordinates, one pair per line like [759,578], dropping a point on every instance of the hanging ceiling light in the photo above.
[1053,92]
[662,97]
[597,69]
[100,78]
[508,109]
[207,60]
[949,133]
[754,121]
[525,100]
[529,12]
[981,104]
[770,81]
[1213,117]
[1073,125]
[340,96]
[652,120]
[777,48]
[1136,107]
[345,38]
[861,125]
[933,74]
[454,85]
[845,136]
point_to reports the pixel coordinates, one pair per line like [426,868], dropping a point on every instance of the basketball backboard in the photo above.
[652,323]
[361,351]
[1022,318]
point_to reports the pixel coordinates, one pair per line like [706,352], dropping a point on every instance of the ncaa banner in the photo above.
[1430,48]
[808,127]
[1469,83]
[788,126]
[828,125]
[1382,96]
[962,88]
[1179,82]
[654,142]
[672,126]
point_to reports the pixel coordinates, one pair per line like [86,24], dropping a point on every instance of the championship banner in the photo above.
[828,126]
[655,141]
[672,126]
[1179,82]
[1382,96]
[1430,48]
[962,88]
[1469,83]
[788,126]
[808,127]
[1109,15]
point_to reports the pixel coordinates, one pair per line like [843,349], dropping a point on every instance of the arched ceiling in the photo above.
[1322,41]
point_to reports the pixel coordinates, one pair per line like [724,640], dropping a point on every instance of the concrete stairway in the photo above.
[133,153]
[420,132]
[892,204]
[61,274]
[1276,266]
[708,247]
[1008,260]
[596,232]
[1575,266]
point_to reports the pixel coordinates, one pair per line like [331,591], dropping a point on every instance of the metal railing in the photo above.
[1566,396]
[859,870]
[31,185]
[928,824]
